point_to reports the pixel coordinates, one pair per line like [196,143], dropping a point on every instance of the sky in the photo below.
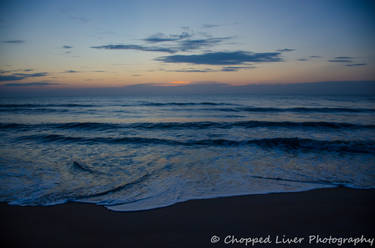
[80,44]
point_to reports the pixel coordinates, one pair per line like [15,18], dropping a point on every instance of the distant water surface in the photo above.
[133,153]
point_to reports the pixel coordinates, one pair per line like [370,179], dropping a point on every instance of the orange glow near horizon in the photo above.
[179,82]
[174,83]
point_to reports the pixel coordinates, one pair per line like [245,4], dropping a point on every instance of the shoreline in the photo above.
[119,209]
[335,212]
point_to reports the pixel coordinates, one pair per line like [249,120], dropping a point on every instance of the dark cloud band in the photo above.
[20,76]
[223,58]
[160,37]
[14,41]
[136,47]
[30,84]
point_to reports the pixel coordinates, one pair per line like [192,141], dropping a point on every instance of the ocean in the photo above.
[137,153]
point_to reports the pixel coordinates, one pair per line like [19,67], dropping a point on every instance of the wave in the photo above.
[40,110]
[215,106]
[84,168]
[116,189]
[256,109]
[70,105]
[62,197]
[288,144]
[187,125]
[322,182]
[296,110]
[156,104]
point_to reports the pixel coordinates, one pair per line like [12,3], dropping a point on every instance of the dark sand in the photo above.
[338,212]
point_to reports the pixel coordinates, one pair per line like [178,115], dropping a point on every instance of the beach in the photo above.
[332,212]
[175,124]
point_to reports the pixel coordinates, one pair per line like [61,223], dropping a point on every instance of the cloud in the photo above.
[71,71]
[14,41]
[10,78]
[68,12]
[286,50]
[195,70]
[8,71]
[160,37]
[67,47]
[172,43]
[210,25]
[355,65]
[30,84]
[223,58]
[341,59]
[136,47]
[224,69]
[236,68]
[20,76]
[348,60]
[182,45]
[79,18]
[187,45]
[38,74]
[309,58]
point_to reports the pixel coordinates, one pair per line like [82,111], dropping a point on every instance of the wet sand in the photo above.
[336,212]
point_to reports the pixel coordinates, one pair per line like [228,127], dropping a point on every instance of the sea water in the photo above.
[136,153]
